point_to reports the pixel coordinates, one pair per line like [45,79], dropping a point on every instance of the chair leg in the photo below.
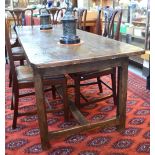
[53,92]
[22,62]
[77,92]
[99,84]
[12,106]
[66,107]
[113,79]
[16,100]
[10,79]
[6,56]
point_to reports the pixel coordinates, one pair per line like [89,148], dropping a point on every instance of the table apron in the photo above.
[88,66]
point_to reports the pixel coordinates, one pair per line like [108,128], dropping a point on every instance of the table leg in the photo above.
[41,110]
[122,93]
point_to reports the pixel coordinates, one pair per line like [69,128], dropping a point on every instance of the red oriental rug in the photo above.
[134,140]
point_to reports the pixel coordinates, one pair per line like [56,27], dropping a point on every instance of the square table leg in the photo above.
[41,110]
[122,93]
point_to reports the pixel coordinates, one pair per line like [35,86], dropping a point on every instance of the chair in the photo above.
[59,15]
[82,76]
[19,18]
[110,20]
[17,53]
[52,11]
[98,23]
[43,10]
[23,78]
[81,15]
[56,13]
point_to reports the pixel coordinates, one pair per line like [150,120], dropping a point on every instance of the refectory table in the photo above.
[47,56]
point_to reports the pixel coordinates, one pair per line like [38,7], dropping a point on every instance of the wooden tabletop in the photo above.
[43,48]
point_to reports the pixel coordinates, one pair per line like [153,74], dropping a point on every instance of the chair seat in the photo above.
[24,73]
[92,74]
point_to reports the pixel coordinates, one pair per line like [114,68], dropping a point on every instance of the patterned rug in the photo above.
[134,140]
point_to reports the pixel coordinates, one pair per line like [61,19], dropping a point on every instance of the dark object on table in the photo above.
[45,22]
[69,26]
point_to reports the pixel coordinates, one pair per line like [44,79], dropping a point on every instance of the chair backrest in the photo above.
[43,10]
[59,15]
[30,12]
[9,51]
[19,16]
[112,23]
[81,15]
[54,12]
[98,23]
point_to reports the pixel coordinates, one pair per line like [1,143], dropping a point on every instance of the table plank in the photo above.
[43,48]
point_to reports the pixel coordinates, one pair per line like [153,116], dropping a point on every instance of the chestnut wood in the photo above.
[86,127]
[45,51]
[47,57]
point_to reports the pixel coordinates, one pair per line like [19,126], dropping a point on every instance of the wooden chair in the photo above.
[59,15]
[43,10]
[98,23]
[82,76]
[53,12]
[17,53]
[19,16]
[81,15]
[56,13]
[112,17]
[23,78]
